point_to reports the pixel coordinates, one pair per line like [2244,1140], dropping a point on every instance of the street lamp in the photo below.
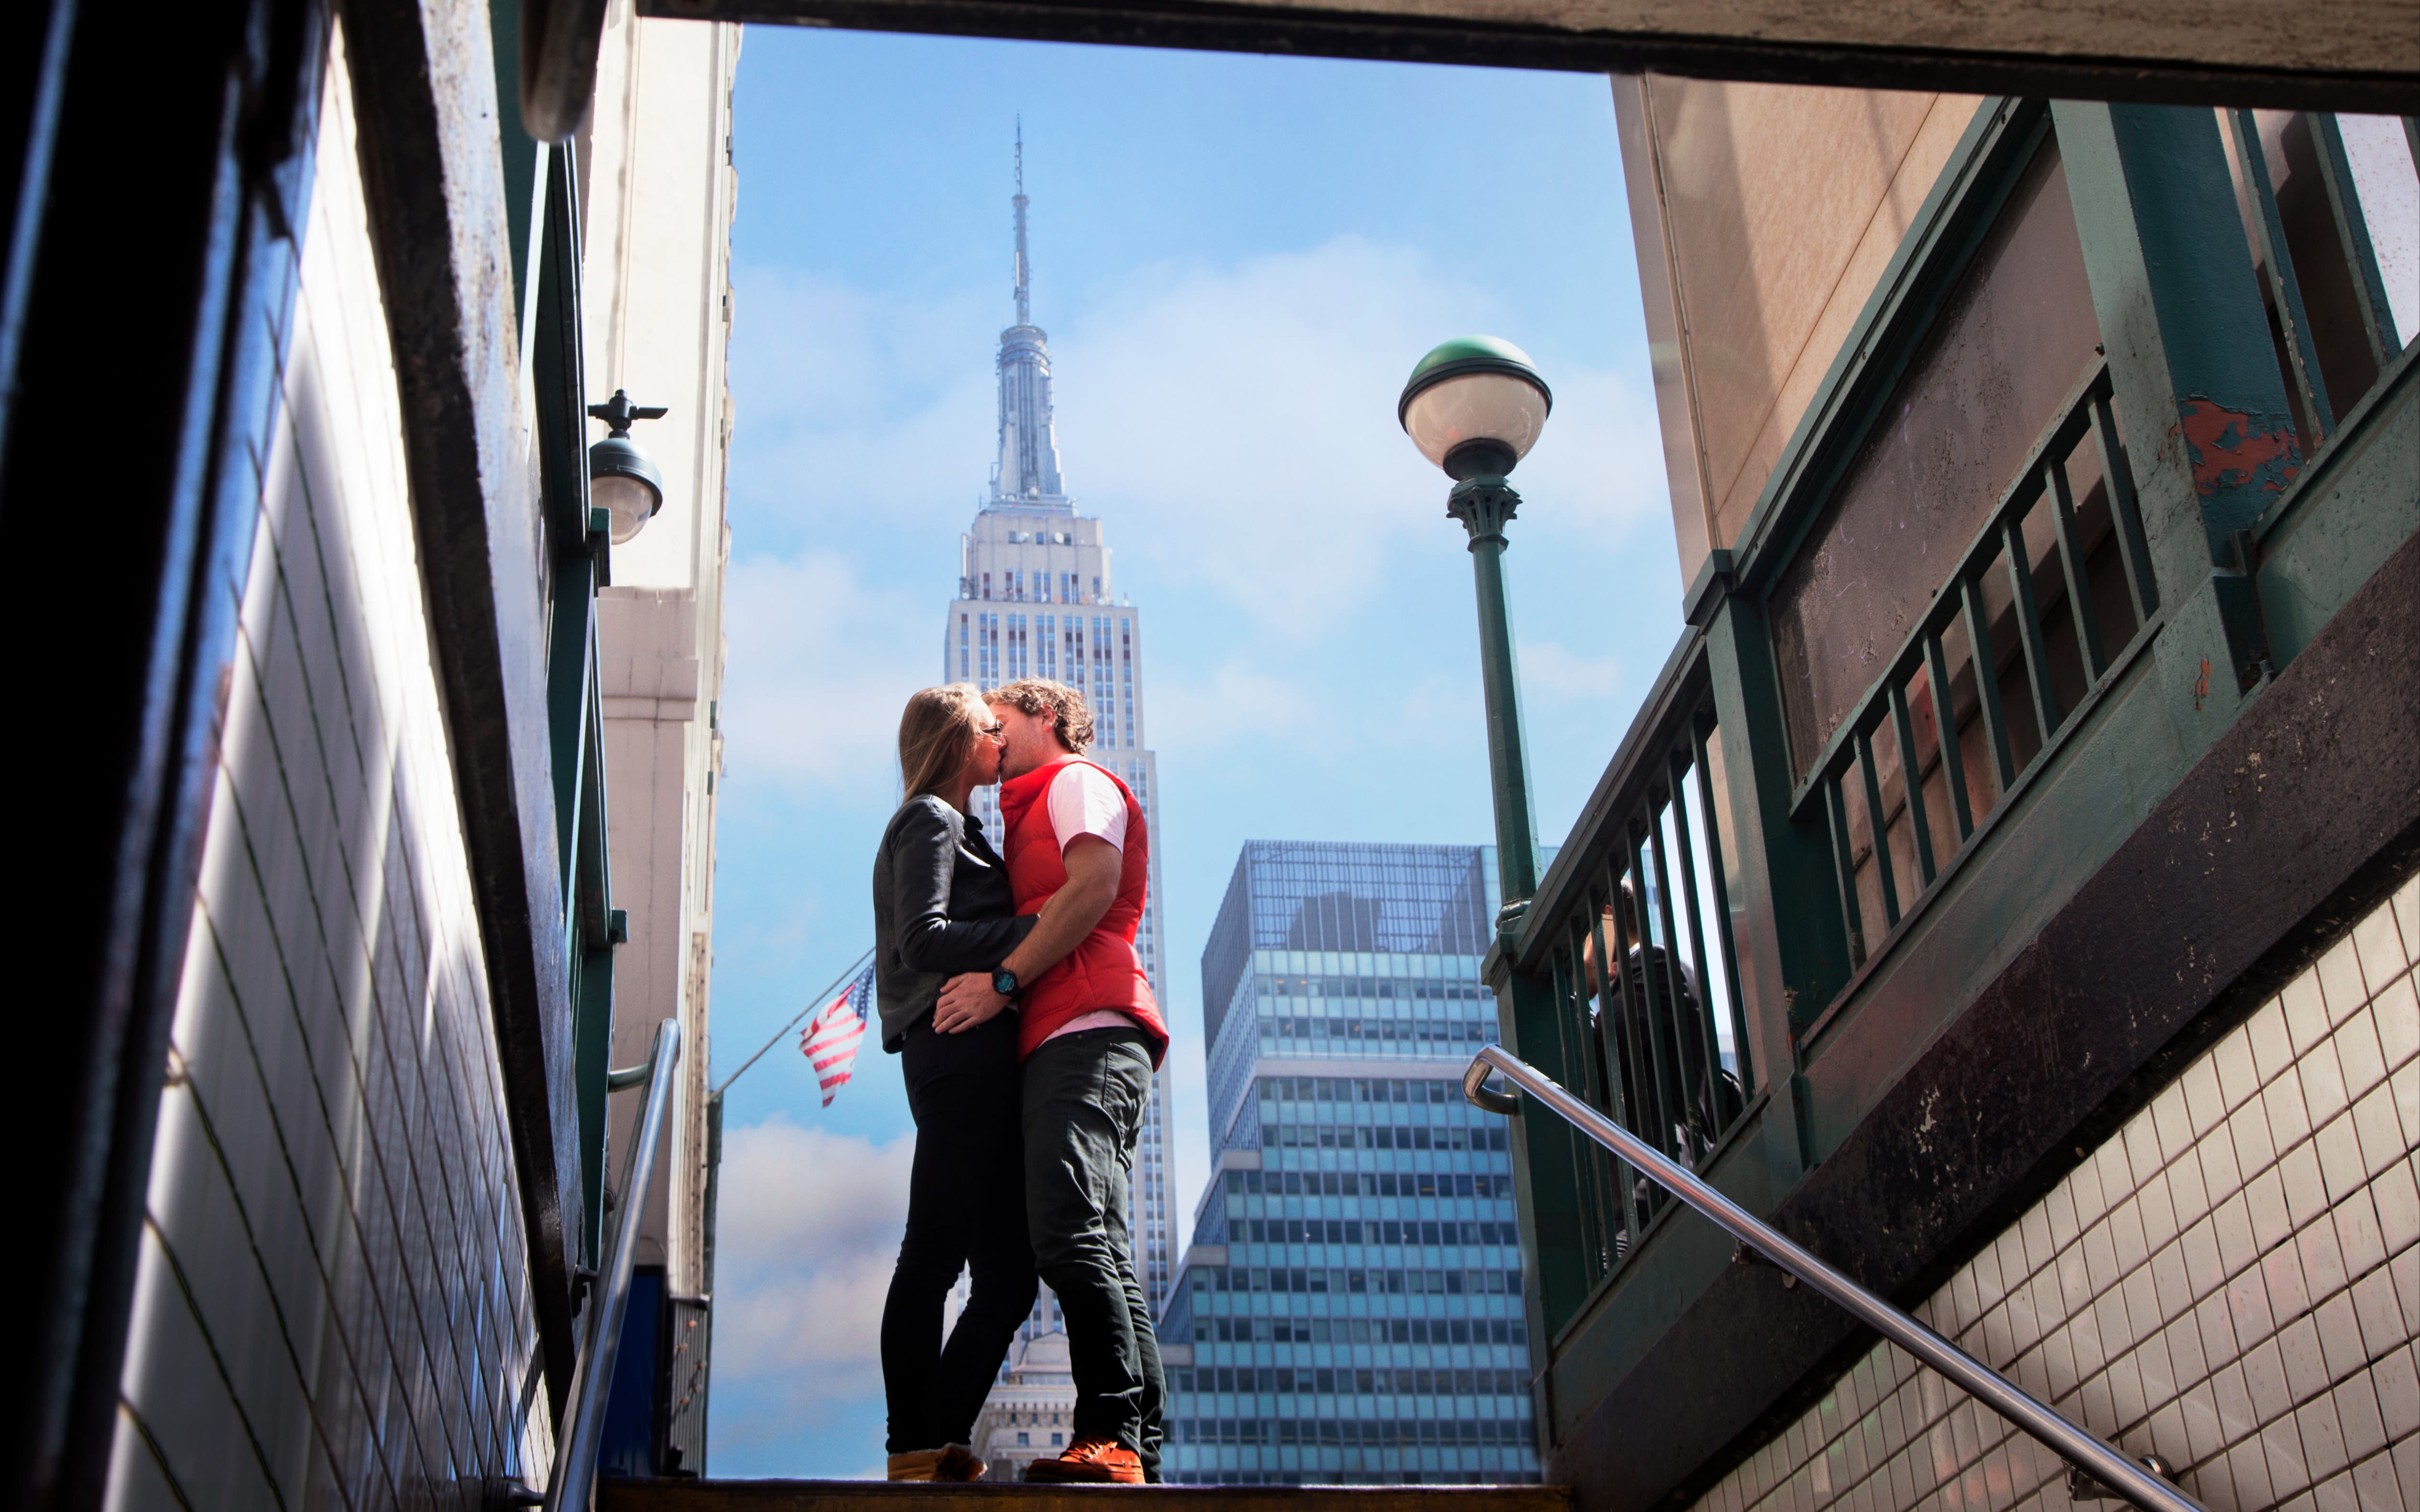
[622,479]
[1474,407]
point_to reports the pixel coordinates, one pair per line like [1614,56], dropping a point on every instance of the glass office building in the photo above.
[1350,1310]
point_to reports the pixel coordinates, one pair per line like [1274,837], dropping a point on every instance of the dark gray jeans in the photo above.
[1084,1099]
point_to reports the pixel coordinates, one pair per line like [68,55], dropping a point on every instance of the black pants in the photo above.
[965,1206]
[1084,1099]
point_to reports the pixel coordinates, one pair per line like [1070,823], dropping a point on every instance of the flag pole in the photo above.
[813,1003]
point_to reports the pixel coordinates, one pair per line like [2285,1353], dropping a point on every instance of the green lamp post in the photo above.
[1474,407]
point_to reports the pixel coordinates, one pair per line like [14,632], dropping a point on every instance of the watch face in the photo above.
[1004,983]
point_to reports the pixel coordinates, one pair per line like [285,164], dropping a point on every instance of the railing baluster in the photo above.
[2029,632]
[1875,825]
[1611,999]
[2352,231]
[1595,1243]
[2283,287]
[1844,861]
[1580,931]
[2123,514]
[1945,725]
[2079,581]
[1718,1108]
[1689,1039]
[1912,778]
[1723,941]
[1659,1053]
[1986,664]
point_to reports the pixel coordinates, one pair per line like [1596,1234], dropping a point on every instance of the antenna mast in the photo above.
[1024,296]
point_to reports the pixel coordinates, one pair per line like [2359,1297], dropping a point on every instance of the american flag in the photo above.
[830,1039]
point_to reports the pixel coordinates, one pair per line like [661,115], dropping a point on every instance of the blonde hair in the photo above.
[936,732]
[1071,717]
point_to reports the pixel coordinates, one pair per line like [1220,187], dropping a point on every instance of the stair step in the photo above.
[684,1495]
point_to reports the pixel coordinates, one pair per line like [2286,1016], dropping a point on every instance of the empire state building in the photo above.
[1036,599]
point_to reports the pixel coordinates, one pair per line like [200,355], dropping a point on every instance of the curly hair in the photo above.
[1072,718]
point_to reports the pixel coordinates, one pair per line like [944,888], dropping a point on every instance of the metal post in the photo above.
[592,1379]
[1483,505]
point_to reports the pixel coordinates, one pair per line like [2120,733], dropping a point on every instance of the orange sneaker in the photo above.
[1091,1459]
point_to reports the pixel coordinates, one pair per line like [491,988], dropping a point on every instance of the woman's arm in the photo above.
[925,852]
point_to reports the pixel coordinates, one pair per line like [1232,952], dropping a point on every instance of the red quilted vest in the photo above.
[1104,970]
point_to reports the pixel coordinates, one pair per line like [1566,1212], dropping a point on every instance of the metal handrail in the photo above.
[1995,1391]
[592,1376]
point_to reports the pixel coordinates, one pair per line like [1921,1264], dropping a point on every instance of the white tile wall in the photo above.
[333,1304]
[2232,1282]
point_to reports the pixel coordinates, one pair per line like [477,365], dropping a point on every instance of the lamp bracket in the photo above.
[619,411]
[1483,505]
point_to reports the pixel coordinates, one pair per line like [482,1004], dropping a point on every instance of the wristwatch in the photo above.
[1003,981]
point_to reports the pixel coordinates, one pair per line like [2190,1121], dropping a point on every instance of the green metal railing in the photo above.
[2316,142]
[2057,588]
[1661,1046]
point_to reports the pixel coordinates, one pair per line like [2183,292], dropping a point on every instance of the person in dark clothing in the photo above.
[942,904]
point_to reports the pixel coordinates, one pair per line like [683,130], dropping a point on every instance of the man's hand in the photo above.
[967,1001]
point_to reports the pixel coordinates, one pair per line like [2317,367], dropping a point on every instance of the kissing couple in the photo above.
[1011,990]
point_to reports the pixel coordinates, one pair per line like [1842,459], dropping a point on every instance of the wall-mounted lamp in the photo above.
[621,477]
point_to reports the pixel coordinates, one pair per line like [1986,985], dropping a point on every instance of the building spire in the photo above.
[1027,474]
[1024,288]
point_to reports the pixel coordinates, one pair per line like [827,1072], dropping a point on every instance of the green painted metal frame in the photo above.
[1660,1070]
[581,561]
[1797,961]
[2085,414]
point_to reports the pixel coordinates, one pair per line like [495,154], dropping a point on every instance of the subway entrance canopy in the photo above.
[2361,55]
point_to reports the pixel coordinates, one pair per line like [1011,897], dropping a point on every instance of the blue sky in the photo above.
[1237,260]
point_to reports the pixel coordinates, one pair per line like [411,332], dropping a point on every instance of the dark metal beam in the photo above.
[2359,56]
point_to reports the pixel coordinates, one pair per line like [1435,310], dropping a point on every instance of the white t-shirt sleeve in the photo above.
[1084,801]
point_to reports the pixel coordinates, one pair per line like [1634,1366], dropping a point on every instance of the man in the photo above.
[1089,1037]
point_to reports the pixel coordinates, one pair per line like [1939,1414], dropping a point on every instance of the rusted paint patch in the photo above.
[2229,450]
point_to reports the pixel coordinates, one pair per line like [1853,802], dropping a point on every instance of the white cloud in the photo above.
[808,1228]
[1547,668]
[819,667]
[858,404]
[1240,424]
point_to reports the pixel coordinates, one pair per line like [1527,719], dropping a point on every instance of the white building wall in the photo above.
[658,194]
[2231,1282]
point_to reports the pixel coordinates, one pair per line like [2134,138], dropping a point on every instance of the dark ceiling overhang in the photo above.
[2358,56]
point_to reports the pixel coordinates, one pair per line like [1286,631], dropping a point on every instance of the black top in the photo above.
[941,905]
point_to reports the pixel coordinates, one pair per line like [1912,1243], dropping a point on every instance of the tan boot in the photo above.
[959,1463]
[917,1464]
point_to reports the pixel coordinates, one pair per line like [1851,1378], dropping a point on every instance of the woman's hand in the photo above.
[967,1001]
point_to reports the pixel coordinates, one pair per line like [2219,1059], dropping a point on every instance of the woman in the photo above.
[941,906]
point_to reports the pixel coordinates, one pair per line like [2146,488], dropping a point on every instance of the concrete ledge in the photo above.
[838,1495]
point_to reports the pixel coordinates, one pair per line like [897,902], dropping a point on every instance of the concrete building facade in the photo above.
[662,189]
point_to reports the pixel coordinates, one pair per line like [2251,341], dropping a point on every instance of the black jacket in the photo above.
[941,905]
